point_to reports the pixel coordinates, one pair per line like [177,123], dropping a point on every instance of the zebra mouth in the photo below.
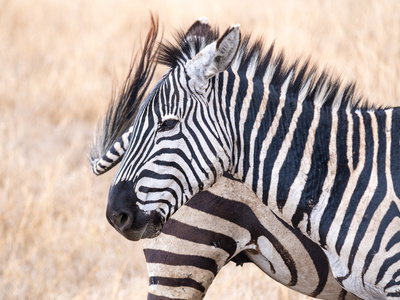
[136,225]
[128,218]
[154,227]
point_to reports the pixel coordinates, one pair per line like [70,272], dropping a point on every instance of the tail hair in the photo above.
[122,109]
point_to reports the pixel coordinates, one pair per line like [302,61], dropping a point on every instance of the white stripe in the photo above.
[319,208]
[200,275]
[176,292]
[112,156]
[286,144]
[232,113]
[220,125]
[243,117]
[260,114]
[388,132]
[349,140]
[352,182]
[268,139]
[365,199]
[169,243]
[298,184]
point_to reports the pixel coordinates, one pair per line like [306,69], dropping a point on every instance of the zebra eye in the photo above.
[167,125]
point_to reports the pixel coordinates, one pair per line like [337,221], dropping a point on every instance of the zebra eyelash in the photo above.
[167,124]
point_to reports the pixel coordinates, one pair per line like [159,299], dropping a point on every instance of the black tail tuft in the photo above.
[122,109]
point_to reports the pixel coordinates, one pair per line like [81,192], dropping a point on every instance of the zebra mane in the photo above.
[305,77]
[122,109]
[251,58]
[186,44]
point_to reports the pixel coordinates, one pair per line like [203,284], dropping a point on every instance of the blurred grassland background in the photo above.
[58,63]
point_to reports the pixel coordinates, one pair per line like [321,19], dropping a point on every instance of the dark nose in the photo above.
[120,220]
[121,206]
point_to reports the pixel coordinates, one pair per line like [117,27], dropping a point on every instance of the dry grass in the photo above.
[58,61]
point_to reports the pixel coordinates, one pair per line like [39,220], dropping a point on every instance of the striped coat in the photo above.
[227,223]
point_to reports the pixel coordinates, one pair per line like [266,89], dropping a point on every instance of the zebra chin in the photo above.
[130,221]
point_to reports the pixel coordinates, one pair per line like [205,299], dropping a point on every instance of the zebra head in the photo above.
[175,148]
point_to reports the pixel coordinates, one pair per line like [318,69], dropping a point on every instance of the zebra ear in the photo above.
[226,49]
[198,28]
[213,59]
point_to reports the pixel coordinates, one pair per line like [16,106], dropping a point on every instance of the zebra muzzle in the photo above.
[127,218]
[134,226]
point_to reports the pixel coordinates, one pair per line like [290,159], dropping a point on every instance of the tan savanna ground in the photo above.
[58,61]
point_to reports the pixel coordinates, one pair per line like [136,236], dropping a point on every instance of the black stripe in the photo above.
[386,265]
[175,95]
[175,137]
[276,144]
[241,94]
[146,190]
[210,121]
[316,254]
[200,125]
[204,123]
[199,146]
[157,176]
[173,259]
[139,154]
[266,121]
[380,191]
[166,88]
[291,165]
[341,178]
[392,213]
[198,235]
[319,168]
[223,121]
[393,282]
[395,239]
[394,151]
[182,155]
[356,140]
[179,168]
[362,183]
[177,282]
[228,99]
[114,151]
[243,216]
[394,294]
[254,107]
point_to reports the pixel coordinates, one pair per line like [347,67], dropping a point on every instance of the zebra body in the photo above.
[221,223]
[319,161]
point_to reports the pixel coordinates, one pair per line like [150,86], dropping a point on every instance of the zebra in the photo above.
[255,236]
[300,140]
[218,226]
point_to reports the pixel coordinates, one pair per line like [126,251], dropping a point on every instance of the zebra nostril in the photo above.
[124,221]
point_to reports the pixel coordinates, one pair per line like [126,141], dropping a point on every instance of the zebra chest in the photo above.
[353,281]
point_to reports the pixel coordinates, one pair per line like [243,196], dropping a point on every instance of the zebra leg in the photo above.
[193,246]
[183,260]
[179,276]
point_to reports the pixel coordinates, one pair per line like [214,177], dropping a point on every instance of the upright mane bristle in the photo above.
[186,44]
[252,55]
[251,58]
[122,109]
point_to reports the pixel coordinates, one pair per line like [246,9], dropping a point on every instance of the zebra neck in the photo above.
[297,154]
